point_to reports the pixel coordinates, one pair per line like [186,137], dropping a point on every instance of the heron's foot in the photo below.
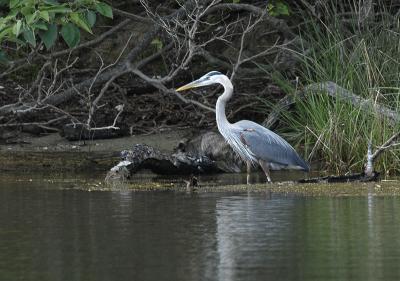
[248,164]
[248,180]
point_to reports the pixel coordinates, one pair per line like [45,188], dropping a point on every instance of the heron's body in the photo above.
[273,149]
[254,143]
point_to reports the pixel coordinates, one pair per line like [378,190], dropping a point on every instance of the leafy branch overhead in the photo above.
[27,22]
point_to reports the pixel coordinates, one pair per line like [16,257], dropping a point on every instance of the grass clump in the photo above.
[362,58]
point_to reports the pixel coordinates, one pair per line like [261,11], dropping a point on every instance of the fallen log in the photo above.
[206,153]
[142,156]
[335,91]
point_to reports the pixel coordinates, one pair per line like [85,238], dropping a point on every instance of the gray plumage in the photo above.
[268,146]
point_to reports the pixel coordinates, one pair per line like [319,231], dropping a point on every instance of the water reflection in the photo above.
[48,234]
[250,232]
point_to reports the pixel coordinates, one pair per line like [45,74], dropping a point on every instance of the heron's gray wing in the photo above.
[267,145]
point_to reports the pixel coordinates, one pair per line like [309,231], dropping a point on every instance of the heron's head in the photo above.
[210,78]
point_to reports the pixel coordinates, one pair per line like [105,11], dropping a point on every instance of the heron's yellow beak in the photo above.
[187,86]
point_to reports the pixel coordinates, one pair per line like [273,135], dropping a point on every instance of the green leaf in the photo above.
[17,28]
[13,13]
[71,34]
[91,17]
[5,32]
[104,9]
[157,43]
[278,8]
[282,9]
[30,18]
[27,11]
[15,3]
[44,15]
[39,25]
[80,21]
[49,37]
[29,36]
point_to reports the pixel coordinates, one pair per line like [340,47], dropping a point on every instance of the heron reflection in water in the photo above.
[254,143]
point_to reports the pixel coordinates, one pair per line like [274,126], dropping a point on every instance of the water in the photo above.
[53,233]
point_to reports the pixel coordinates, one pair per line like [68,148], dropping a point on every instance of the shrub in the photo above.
[27,22]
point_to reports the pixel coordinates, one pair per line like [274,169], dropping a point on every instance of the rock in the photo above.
[213,146]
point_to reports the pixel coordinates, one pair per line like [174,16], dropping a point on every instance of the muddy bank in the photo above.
[389,187]
[385,188]
[52,152]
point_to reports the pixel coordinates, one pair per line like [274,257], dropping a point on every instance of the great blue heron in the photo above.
[251,141]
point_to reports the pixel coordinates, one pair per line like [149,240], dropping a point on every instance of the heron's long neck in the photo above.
[222,122]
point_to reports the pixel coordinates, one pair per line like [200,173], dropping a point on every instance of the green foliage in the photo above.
[104,9]
[278,8]
[70,34]
[365,62]
[27,20]
[49,36]
[157,43]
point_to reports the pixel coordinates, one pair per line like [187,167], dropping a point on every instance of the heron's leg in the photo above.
[265,167]
[248,164]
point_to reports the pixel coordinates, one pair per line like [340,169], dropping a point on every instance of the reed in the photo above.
[365,60]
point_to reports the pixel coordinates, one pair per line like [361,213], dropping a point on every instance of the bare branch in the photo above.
[388,144]
[131,16]
[120,109]
[371,157]
[33,123]
[156,83]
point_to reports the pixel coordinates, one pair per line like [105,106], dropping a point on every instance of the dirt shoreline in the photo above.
[92,182]
[385,188]
[52,152]
[41,158]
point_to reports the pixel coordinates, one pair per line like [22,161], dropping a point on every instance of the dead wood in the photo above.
[358,177]
[142,156]
[373,156]
[335,91]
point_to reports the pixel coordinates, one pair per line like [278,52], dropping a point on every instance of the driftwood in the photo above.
[206,153]
[145,157]
[142,156]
